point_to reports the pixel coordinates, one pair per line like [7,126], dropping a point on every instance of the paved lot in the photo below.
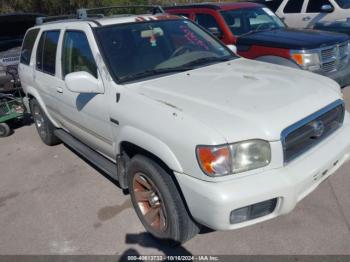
[52,202]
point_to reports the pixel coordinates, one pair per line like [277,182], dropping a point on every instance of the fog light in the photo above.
[252,212]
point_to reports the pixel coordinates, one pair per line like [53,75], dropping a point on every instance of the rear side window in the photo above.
[293,6]
[77,55]
[46,53]
[314,6]
[28,45]
[273,5]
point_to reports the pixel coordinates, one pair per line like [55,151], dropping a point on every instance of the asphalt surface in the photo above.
[53,202]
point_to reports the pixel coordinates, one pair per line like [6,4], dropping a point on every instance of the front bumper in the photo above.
[211,203]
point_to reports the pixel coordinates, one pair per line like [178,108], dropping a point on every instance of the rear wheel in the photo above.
[5,130]
[43,125]
[158,203]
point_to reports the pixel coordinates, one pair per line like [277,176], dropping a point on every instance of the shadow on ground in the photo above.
[146,240]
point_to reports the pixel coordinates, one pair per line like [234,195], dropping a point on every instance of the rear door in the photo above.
[291,12]
[46,69]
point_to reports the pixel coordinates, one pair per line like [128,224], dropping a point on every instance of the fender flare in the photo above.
[149,143]
[34,93]
[278,61]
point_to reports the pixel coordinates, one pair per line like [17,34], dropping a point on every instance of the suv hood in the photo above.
[288,38]
[242,99]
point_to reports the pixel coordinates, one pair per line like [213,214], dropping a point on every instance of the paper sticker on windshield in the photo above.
[269,12]
[152,34]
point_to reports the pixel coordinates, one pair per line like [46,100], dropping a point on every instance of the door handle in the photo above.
[307,18]
[59,90]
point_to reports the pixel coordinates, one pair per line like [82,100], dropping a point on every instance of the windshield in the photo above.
[139,50]
[246,20]
[345,4]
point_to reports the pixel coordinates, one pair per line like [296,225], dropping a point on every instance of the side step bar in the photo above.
[86,152]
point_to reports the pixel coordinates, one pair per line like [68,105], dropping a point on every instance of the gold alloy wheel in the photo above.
[149,201]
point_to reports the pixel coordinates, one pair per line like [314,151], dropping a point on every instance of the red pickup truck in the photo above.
[259,34]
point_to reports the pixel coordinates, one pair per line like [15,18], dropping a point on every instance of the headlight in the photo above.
[233,158]
[309,61]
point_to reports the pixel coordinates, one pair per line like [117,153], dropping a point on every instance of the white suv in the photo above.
[196,134]
[306,13]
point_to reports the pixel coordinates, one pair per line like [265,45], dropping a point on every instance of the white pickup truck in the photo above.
[196,134]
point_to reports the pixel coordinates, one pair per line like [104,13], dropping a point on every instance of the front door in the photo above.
[85,115]
[313,12]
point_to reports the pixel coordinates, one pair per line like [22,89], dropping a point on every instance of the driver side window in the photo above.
[77,55]
[314,6]
[207,21]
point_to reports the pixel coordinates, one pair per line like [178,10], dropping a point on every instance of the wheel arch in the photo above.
[131,138]
[133,141]
[32,93]
[128,150]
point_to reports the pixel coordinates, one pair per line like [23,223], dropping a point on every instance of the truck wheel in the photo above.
[4,130]
[158,203]
[43,125]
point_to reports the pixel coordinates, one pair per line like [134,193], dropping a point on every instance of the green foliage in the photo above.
[57,7]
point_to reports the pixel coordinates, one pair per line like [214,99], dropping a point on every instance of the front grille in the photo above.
[330,66]
[335,57]
[308,132]
[329,53]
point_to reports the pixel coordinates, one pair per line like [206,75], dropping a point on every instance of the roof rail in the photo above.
[85,13]
[46,19]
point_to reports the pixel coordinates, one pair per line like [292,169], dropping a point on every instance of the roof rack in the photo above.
[92,12]
[85,13]
[46,19]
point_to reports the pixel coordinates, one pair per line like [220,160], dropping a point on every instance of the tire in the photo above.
[151,189]
[5,130]
[43,125]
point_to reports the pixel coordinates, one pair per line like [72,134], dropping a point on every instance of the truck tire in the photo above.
[158,202]
[43,125]
[4,130]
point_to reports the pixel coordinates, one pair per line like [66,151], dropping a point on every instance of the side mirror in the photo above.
[216,32]
[83,82]
[233,48]
[327,9]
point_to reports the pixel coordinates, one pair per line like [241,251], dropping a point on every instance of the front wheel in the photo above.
[43,125]
[158,202]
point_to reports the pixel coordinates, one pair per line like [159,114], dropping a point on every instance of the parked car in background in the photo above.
[307,13]
[12,30]
[196,134]
[259,34]
[339,26]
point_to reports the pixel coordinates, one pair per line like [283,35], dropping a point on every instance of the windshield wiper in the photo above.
[207,60]
[153,72]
